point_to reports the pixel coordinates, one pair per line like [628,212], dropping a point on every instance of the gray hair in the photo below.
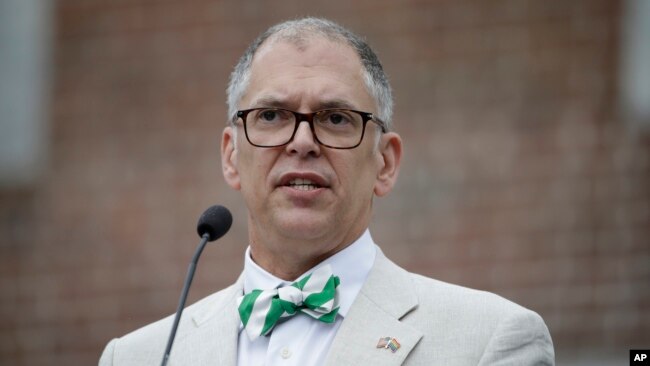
[298,31]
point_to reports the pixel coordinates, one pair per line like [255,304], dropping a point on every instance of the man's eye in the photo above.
[268,115]
[336,118]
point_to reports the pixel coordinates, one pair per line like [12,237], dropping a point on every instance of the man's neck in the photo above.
[288,262]
[285,267]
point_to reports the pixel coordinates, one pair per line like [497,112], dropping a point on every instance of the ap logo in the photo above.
[639,357]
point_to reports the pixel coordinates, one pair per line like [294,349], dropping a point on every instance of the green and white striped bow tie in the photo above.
[315,295]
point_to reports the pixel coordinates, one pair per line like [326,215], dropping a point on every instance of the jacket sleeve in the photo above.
[520,339]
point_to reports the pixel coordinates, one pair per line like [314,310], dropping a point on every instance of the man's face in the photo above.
[335,207]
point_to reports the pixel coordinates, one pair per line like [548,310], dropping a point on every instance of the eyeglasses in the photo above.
[334,128]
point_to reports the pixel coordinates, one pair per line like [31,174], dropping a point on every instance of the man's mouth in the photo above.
[302,184]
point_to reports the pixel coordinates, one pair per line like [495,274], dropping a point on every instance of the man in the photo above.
[309,144]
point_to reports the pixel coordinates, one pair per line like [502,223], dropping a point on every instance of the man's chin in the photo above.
[305,225]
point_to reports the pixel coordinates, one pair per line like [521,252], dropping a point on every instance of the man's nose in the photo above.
[304,142]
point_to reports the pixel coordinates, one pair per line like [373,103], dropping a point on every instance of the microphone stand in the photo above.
[181,303]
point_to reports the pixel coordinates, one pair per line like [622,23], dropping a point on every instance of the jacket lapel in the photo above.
[384,299]
[213,339]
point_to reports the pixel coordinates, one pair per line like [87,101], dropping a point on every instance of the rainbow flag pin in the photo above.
[388,342]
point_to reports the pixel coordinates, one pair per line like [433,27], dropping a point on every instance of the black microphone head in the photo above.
[215,221]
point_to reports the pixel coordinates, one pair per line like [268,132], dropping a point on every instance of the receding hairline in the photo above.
[303,35]
[303,42]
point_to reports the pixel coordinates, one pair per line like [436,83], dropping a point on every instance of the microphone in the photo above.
[215,221]
[213,224]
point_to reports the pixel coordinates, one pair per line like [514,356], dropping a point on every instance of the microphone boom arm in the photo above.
[181,303]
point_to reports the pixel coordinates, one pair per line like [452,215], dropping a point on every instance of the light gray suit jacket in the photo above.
[436,324]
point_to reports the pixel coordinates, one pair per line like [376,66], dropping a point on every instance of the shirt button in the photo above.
[285,353]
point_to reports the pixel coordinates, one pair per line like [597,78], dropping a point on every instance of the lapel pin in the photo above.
[389,342]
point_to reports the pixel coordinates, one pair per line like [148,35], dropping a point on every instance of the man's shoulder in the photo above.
[434,294]
[475,325]
[456,298]
[147,343]
[194,313]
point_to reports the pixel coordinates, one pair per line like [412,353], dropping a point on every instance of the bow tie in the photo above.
[315,295]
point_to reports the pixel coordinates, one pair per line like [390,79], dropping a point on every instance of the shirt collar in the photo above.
[351,265]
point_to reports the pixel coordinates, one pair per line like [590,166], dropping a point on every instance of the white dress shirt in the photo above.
[302,340]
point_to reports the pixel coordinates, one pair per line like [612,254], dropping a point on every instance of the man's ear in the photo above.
[389,154]
[229,158]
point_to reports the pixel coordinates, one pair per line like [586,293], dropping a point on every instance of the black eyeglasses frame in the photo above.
[309,118]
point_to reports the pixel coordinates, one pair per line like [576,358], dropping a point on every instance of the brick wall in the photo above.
[518,175]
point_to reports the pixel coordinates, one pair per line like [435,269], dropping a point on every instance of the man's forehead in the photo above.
[280,65]
[279,100]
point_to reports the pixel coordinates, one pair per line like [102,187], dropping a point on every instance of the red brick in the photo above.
[518,176]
